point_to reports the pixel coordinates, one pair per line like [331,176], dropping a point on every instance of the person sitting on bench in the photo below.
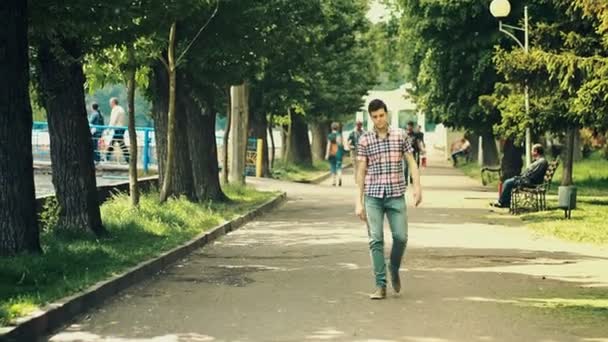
[533,175]
[460,148]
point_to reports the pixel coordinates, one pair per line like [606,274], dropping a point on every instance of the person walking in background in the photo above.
[353,141]
[381,185]
[420,137]
[460,150]
[118,120]
[96,119]
[334,153]
[416,140]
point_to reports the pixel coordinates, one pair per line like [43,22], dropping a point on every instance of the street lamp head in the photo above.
[500,8]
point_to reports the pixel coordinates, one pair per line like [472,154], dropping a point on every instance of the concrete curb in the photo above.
[60,313]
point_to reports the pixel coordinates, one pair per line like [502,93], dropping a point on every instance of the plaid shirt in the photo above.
[385,177]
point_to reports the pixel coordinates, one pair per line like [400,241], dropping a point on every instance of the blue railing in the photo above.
[117,157]
[100,145]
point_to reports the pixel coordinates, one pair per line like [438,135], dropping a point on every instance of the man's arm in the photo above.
[351,140]
[362,157]
[413,167]
[421,147]
[361,172]
[536,170]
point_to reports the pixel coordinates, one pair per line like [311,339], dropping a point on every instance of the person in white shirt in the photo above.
[463,150]
[118,122]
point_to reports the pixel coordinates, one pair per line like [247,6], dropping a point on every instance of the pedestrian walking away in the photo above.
[381,191]
[96,120]
[416,138]
[334,153]
[353,142]
[118,119]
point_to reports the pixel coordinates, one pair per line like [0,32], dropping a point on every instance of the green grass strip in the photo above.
[73,263]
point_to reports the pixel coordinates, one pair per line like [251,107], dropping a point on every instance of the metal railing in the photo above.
[117,157]
[109,145]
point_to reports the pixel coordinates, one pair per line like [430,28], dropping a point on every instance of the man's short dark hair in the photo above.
[539,149]
[95,106]
[376,104]
[410,123]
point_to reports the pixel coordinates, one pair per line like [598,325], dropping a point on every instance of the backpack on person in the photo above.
[333,144]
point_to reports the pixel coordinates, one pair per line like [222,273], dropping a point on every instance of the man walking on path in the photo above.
[381,184]
[96,119]
[118,117]
[533,175]
[353,142]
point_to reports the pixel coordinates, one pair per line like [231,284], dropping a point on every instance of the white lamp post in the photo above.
[501,9]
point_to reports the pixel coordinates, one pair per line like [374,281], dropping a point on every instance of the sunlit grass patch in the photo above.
[72,262]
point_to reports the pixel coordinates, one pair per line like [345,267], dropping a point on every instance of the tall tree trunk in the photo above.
[284,141]
[226,139]
[319,131]
[18,224]
[133,186]
[569,160]
[159,83]
[203,151]
[272,144]
[512,160]
[182,183]
[490,152]
[298,146]
[259,125]
[239,131]
[473,138]
[578,146]
[167,179]
[62,83]
[181,173]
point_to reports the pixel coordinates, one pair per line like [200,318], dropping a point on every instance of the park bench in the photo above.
[533,197]
[487,171]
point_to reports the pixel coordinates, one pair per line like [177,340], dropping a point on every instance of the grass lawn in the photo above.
[474,171]
[590,176]
[298,173]
[589,220]
[73,263]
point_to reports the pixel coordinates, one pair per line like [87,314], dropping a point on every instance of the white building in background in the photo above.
[401,109]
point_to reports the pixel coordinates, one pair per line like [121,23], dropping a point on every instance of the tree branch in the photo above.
[217,5]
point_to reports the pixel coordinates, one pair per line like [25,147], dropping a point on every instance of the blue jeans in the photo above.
[457,154]
[335,164]
[507,189]
[396,212]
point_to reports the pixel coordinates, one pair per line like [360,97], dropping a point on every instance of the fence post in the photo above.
[146,151]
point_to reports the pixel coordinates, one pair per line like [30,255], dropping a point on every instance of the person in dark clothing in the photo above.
[533,175]
[96,119]
[417,142]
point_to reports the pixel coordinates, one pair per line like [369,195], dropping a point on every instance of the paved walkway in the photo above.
[302,273]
